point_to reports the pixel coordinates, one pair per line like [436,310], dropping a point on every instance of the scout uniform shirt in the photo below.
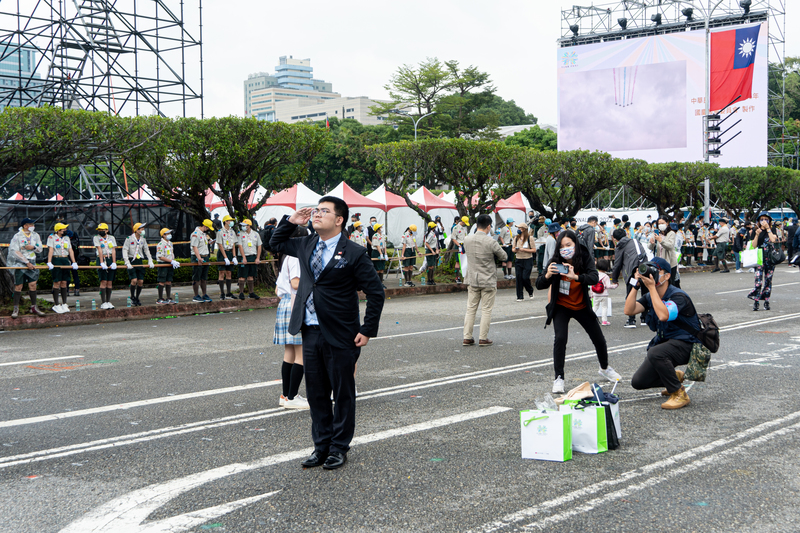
[432,240]
[60,245]
[165,250]
[17,254]
[378,241]
[250,242]
[134,248]
[359,238]
[460,233]
[227,240]
[505,236]
[199,239]
[106,244]
[408,241]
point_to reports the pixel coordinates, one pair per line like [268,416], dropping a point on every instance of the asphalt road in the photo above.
[173,425]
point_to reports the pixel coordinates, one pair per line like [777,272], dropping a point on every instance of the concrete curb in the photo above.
[78,318]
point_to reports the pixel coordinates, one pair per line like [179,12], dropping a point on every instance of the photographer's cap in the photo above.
[662,264]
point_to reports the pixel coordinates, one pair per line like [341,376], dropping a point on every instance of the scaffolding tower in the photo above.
[640,18]
[127,57]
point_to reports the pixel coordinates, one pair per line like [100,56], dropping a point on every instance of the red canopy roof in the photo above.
[352,198]
[296,197]
[427,200]
[388,199]
[513,202]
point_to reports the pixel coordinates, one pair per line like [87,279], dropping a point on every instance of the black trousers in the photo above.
[588,321]
[673,277]
[630,288]
[540,259]
[658,367]
[523,269]
[327,369]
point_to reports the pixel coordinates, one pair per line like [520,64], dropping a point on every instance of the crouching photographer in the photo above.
[671,314]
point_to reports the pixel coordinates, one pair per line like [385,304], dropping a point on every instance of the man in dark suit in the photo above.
[333,270]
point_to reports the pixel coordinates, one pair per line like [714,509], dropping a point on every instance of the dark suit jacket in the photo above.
[336,289]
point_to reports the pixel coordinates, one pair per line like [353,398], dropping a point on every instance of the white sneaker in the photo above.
[610,374]
[530,297]
[57,309]
[65,308]
[298,402]
[110,305]
[739,271]
[282,401]
[752,270]
[520,299]
[104,305]
[558,386]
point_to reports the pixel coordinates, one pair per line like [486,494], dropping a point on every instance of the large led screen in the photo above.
[645,97]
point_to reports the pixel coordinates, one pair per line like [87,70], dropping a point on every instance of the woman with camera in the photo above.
[662,243]
[763,237]
[568,276]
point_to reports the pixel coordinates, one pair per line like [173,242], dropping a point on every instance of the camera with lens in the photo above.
[648,270]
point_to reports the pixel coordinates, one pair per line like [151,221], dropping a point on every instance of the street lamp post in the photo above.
[404,113]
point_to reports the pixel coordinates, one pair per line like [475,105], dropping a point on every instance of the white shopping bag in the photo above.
[463,261]
[588,429]
[546,435]
[752,258]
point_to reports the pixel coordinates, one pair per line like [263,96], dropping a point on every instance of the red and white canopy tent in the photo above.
[142,193]
[515,207]
[398,215]
[287,202]
[17,196]
[56,198]
[434,206]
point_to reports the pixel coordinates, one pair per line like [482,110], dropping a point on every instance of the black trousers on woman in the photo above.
[523,269]
[588,321]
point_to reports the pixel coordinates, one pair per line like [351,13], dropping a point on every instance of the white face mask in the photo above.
[244,227]
[662,227]
[229,224]
[168,236]
[29,229]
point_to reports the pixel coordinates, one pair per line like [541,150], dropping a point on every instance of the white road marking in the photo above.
[513,519]
[453,328]
[42,360]
[126,513]
[750,289]
[130,405]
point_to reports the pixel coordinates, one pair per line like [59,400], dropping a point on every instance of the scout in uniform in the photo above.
[60,254]
[133,249]
[226,245]
[505,237]
[106,247]
[165,254]
[460,233]
[250,250]
[379,251]
[358,234]
[432,250]
[199,243]
[22,252]
[409,253]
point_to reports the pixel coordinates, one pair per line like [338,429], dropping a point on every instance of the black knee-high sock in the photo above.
[228,283]
[250,284]
[221,284]
[108,294]
[241,285]
[64,293]
[133,291]
[286,374]
[56,293]
[138,291]
[160,292]
[169,292]
[102,295]
[17,298]
[297,377]
[33,297]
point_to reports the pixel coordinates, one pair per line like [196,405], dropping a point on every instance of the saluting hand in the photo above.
[301,216]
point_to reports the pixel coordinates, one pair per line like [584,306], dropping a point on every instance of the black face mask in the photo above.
[102,233]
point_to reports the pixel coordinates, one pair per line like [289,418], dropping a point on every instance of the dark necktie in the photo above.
[316,267]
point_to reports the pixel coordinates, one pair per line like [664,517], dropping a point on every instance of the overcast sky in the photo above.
[357,45]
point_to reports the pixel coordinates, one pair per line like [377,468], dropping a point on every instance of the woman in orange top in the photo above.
[568,277]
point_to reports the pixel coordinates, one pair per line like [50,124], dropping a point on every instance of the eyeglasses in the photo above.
[321,212]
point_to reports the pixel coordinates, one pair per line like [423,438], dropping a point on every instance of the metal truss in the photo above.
[128,57]
[624,19]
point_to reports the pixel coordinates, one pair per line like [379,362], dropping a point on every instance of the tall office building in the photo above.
[19,83]
[293,78]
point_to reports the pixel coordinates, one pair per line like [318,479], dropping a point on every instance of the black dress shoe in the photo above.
[335,460]
[317,459]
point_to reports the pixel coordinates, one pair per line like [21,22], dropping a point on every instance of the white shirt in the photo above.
[327,255]
[289,270]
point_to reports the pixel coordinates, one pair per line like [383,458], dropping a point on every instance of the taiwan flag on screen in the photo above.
[733,55]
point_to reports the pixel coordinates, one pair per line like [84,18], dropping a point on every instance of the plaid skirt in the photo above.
[284,314]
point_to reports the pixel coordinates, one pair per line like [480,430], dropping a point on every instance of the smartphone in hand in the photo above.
[562,269]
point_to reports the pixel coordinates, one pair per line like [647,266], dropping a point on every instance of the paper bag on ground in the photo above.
[546,436]
[588,429]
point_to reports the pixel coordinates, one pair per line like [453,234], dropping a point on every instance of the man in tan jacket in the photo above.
[481,250]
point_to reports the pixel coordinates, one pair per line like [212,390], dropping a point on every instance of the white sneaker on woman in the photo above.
[558,386]
[298,402]
[610,374]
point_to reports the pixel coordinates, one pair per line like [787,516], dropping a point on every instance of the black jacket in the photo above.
[588,276]
[336,290]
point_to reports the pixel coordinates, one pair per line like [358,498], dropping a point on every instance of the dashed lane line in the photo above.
[42,360]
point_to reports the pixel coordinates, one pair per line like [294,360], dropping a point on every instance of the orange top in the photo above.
[572,299]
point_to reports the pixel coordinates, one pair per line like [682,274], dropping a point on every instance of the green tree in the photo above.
[671,186]
[536,138]
[559,184]
[507,112]
[471,90]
